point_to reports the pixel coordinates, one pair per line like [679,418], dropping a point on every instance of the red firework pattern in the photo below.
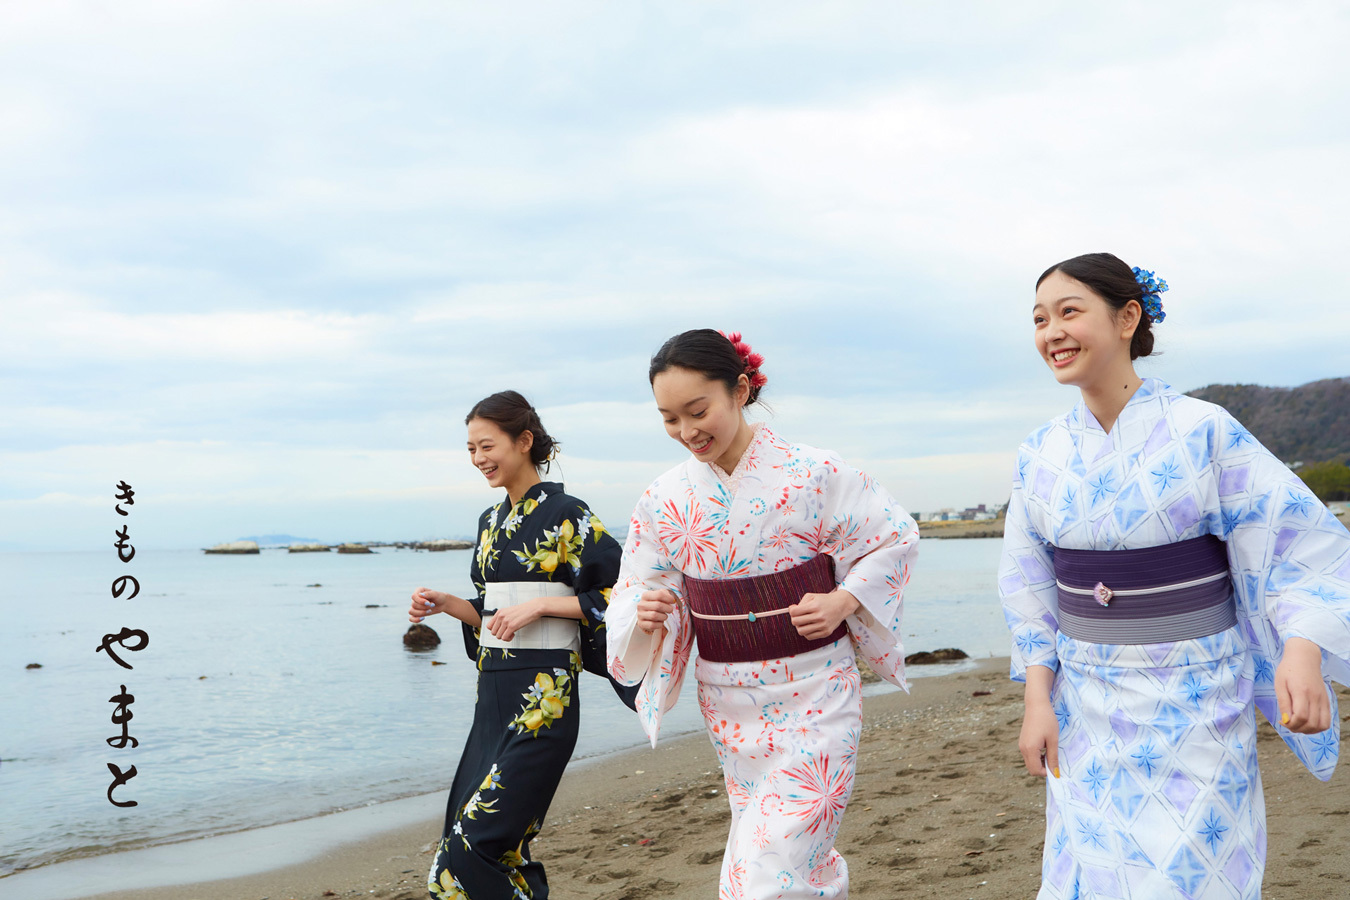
[818,795]
[686,534]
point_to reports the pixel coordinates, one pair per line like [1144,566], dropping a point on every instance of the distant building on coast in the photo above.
[979,513]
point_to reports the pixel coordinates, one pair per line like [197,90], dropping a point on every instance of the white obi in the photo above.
[545,633]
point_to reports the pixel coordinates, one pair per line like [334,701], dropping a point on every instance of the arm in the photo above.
[426,602]
[506,622]
[1290,562]
[642,650]
[1026,585]
[1039,741]
[874,545]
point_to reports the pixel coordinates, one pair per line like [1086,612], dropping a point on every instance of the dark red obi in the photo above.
[749,618]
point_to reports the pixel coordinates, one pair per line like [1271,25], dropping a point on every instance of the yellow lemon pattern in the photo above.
[545,702]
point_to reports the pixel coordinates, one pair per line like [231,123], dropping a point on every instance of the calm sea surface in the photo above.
[270,692]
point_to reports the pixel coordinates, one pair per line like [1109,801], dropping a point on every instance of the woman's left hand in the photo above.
[506,622]
[1300,690]
[816,616]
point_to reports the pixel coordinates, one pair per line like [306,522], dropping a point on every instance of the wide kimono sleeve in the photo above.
[1026,584]
[595,567]
[656,663]
[1290,562]
[874,544]
[480,551]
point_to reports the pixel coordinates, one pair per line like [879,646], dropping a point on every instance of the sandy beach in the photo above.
[942,808]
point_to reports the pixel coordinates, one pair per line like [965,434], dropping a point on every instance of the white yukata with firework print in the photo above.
[1160,794]
[786,730]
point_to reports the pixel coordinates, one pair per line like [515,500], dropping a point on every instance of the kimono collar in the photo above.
[537,492]
[1150,388]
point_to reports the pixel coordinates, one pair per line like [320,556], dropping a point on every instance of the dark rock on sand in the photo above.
[949,654]
[420,637]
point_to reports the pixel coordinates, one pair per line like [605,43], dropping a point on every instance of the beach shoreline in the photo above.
[942,807]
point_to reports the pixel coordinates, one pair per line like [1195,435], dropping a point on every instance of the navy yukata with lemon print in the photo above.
[526,719]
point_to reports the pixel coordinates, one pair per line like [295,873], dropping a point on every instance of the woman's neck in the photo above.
[1107,398]
[522,483]
[728,461]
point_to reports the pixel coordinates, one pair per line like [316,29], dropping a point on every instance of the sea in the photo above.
[276,687]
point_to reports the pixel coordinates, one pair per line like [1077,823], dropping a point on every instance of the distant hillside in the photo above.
[1310,423]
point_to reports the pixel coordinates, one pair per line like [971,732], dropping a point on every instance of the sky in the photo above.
[259,259]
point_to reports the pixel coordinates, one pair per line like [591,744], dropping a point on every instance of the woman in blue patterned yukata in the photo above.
[1163,575]
[542,571]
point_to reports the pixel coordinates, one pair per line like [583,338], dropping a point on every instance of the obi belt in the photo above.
[1150,595]
[545,633]
[746,619]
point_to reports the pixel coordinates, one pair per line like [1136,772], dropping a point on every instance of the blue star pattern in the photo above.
[1146,758]
[1212,830]
[1157,741]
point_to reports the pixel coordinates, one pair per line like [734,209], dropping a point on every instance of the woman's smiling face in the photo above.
[699,412]
[1079,336]
[492,452]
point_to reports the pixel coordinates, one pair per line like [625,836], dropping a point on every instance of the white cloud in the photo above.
[270,253]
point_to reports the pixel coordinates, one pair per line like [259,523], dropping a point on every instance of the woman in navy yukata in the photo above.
[542,570]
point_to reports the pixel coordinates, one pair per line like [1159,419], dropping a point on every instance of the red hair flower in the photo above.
[751,359]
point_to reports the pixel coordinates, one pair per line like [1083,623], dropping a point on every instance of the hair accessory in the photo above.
[1153,286]
[751,359]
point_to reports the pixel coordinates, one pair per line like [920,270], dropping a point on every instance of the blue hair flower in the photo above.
[1153,287]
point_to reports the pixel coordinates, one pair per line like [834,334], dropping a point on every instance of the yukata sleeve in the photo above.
[1289,555]
[1026,585]
[1290,563]
[595,569]
[657,663]
[874,543]
[471,645]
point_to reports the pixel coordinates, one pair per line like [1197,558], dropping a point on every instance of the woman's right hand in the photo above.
[1039,741]
[426,602]
[653,608]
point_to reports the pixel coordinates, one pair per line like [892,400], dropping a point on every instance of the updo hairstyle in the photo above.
[514,415]
[1113,281]
[713,355]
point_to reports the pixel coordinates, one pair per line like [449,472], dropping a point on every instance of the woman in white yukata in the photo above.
[776,561]
[1163,575]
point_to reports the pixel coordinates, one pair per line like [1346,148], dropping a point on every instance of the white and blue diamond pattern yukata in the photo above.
[1159,794]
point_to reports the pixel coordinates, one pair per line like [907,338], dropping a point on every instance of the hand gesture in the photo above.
[1300,690]
[506,622]
[426,602]
[816,616]
[1039,741]
[653,608]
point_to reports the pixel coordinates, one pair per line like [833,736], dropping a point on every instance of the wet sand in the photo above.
[942,808]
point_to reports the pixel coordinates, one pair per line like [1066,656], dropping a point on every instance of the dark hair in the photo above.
[1113,281]
[713,355]
[513,414]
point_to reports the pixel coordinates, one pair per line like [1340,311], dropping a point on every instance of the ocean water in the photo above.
[270,692]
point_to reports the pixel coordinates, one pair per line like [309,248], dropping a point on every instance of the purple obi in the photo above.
[1151,595]
[746,619]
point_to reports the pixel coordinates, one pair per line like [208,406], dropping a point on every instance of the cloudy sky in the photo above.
[258,259]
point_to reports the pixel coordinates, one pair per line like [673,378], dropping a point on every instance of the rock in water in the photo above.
[443,544]
[33,666]
[420,637]
[234,547]
[948,654]
[308,548]
[354,548]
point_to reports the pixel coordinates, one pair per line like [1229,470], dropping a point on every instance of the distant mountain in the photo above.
[272,540]
[1310,423]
